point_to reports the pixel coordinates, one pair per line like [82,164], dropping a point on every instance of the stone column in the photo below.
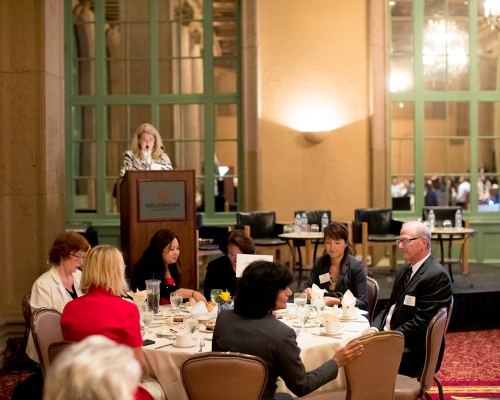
[32,174]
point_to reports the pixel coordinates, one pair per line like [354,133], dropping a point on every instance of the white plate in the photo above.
[206,330]
[322,332]
[182,346]
[307,325]
[342,318]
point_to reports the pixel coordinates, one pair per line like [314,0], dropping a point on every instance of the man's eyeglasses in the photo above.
[78,256]
[405,241]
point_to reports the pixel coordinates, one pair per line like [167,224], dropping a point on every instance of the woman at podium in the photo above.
[146,152]
[161,261]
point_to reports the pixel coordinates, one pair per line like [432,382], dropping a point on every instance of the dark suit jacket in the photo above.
[276,344]
[220,275]
[431,287]
[351,276]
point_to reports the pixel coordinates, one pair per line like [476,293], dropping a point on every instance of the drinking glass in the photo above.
[175,300]
[214,293]
[147,319]
[302,315]
[153,293]
[191,325]
[447,223]
[300,299]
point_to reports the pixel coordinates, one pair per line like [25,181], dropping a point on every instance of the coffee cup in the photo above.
[333,326]
[183,339]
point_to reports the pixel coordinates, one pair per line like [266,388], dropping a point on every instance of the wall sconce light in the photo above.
[316,137]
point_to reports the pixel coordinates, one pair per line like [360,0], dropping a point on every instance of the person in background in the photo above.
[161,261]
[96,368]
[462,192]
[61,283]
[421,288]
[221,272]
[252,328]
[146,151]
[338,270]
[102,311]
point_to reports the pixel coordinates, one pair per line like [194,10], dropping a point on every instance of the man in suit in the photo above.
[420,289]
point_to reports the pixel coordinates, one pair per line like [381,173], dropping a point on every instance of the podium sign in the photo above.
[161,200]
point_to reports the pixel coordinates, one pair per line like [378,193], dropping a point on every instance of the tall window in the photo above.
[172,63]
[444,87]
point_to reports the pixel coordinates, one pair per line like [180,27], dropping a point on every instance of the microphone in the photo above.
[148,162]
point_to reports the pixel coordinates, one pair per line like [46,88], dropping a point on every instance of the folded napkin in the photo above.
[138,295]
[200,310]
[331,315]
[348,305]
[317,292]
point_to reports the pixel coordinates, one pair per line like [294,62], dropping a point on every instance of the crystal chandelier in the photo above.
[441,41]
[492,13]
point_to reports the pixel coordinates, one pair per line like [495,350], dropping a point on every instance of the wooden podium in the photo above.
[155,200]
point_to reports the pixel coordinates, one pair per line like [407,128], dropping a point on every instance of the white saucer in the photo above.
[206,330]
[185,345]
[325,333]
[348,318]
[307,325]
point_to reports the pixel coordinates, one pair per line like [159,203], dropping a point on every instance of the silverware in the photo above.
[202,344]
[165,345]
[173,330]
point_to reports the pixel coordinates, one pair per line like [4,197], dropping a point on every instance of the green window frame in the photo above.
[197,116]
[442,103]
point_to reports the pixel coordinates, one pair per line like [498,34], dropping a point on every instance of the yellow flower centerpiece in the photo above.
[224,301]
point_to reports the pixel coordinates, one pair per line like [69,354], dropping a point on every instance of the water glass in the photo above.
[214,293]
[191,324]
[319,304]
[302,315]
[153,292]
[300,299]
[447,223]
[175,300]
[147,319]
[314,228]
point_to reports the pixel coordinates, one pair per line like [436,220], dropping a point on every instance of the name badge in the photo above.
[324,278]
[410,301]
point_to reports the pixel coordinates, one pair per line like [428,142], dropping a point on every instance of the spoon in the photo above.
[202,344]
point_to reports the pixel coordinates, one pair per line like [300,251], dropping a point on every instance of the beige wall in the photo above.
[32,209]
[314,74]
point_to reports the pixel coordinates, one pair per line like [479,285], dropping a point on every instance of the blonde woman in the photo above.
[61,283]
[146,151]
[96,368]
[101,310]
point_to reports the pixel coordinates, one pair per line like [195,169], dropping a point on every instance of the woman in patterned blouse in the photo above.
[147,151]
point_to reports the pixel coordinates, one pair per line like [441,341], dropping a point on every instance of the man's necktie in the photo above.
[403,282]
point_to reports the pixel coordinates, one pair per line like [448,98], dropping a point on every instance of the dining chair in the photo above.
[261,226]
[436,379]
[375,227]
[362,382]
[408,388]
[26,309]
[244,376]
[57,348]
[373,294]
[46,329]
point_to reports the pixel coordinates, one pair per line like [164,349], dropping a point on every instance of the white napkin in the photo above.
[317,292]
[332,315]
[138,295]
[200,310]
[348,305]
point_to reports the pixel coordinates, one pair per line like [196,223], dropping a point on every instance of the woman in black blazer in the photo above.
[338,270]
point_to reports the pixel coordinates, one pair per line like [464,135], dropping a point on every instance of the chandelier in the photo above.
[445,41]
[492,13]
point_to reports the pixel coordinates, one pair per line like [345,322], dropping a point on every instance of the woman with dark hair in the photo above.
[221,273]
[338,270]
[161,261]
[252,328]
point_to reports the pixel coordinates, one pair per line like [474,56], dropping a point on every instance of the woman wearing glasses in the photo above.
[221,273]
[338,270]
[61,283]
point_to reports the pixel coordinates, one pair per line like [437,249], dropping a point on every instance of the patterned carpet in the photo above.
[471,366]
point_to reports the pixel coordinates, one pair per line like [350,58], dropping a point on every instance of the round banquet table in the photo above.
[165,363]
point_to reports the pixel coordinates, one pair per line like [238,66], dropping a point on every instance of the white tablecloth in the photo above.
[165,363]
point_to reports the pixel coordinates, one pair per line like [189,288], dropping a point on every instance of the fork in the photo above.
[202,344]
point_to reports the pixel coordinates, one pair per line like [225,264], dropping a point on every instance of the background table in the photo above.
[307,237]
[451,234]
[165,363]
